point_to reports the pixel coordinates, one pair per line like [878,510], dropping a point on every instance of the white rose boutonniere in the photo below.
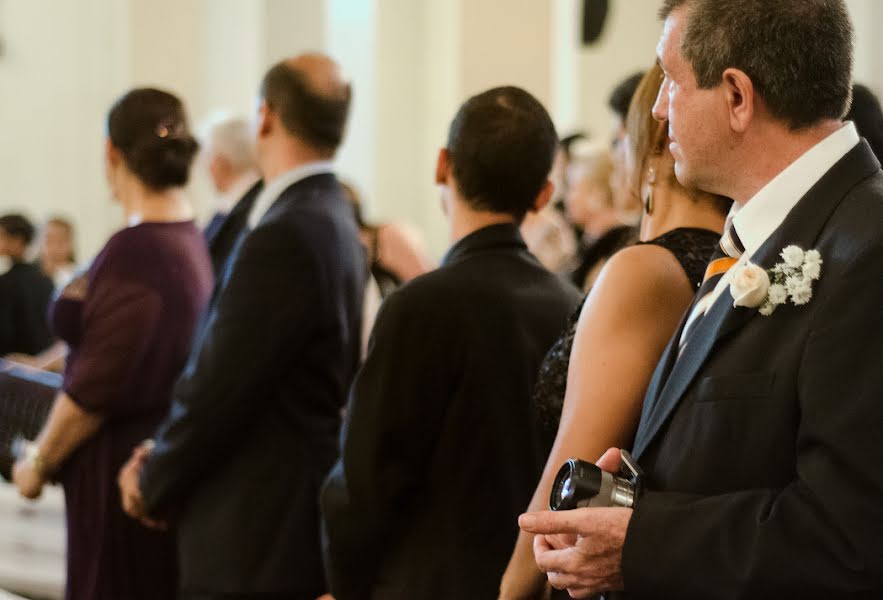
[749,286]
[753,287]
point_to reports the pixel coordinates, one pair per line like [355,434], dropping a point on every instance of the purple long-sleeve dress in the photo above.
[129,323]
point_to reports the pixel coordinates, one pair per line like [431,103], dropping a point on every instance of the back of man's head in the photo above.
[798,53]
[310,99]
[17,229]
[230,137]
[501,145]
[867,115]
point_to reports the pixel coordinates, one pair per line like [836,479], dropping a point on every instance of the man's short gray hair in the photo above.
[798,53]
[231,137]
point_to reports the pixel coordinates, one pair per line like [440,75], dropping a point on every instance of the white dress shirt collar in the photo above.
[767,209]
[274,189]
[243,183]
[758,218]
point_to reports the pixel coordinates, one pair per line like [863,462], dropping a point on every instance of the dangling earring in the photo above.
[648,201]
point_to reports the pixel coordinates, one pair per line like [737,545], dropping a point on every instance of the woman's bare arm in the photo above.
[625,324]
[67,427]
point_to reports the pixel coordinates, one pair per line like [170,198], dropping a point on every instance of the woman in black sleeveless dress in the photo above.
[592,381]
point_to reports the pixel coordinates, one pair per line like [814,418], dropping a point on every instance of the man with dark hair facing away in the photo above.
[24,292]
[255,417]
[760,431]
[438,450]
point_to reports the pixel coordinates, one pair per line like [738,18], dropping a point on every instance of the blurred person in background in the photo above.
[590,205]
[228,154]
[395,251]
[618,102]
[128,321]
[395,255]
[866,113]
[592,382]
[254,425]
[25,291]
[57,256]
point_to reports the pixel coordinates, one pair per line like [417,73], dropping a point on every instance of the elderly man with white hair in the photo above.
[228,154]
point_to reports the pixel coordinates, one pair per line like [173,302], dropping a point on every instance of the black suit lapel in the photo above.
[801,227]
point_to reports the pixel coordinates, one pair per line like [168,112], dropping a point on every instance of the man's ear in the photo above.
[111,154]
[739,94]
[544,197]
[442,167]
[265,119]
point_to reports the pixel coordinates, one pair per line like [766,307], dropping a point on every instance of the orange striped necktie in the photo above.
[727,254]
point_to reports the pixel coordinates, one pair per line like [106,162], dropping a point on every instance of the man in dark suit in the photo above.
[253,427]
[438,454]
[229,155]
[25,292]
[760,434]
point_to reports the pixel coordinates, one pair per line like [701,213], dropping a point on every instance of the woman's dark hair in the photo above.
[149,128]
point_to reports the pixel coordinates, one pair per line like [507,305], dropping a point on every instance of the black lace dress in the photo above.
[692,248]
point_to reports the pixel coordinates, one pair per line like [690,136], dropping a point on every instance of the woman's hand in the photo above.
[28,479]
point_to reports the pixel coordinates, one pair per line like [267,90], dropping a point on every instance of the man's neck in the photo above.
[465,221]
[287,158]
[774,153]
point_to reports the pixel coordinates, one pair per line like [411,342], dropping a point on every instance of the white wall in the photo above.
[412,63]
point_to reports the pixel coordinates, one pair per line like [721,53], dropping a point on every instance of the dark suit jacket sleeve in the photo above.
[266,306]
[819,536]
[396,409]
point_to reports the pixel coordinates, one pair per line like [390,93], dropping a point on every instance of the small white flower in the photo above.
[802,293]
[749,286]
[767,308]
[793,283]
[777,294]
[812,257]
[793,256]
[812,270]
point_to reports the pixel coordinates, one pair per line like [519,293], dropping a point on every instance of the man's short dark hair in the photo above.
[621,96]
[501,146]
[18,226]
[798,53]
[867,115]
[316,118]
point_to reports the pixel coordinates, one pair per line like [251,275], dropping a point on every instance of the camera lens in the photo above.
[577,481]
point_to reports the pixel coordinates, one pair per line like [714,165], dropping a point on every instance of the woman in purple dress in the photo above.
[128,321]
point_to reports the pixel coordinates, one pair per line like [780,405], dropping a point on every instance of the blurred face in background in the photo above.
[57,243]
[588,196]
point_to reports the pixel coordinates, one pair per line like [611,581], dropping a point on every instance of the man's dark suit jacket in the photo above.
[438,454]
[253,427]
[25,292]
[764,442]
[222,232]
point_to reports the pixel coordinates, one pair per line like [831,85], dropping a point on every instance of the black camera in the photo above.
[580,484]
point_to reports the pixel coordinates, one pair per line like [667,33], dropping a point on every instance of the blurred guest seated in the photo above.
[590,205]
[57,257]
[867,115]
[129,321]
[25,291]
[395,252]
[255,420]
[594,377]
[229,156]
[438,449]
